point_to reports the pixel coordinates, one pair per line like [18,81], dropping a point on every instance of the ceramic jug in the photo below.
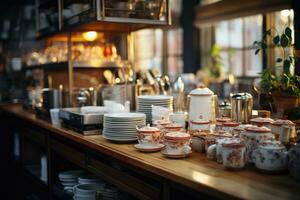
[202,103]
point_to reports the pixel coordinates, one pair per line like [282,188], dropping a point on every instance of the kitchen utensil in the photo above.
[177,143]
[270,156]
[148,136]
[233,155]
[252,136]
[224,109]
[277,124]
[201,103]
[241,107]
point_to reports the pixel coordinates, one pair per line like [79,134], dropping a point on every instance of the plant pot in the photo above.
[285,101]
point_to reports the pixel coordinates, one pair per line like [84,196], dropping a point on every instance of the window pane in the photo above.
[235,60]
[174,42]
[253,63]
[222,35]
[175,65]
[253,29]
[236,33]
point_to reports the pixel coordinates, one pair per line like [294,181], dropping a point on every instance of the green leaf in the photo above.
[256,51]
[263,45]
[284,40]
[268,32]
[288,33]
[286,67]
[276,39]
[278,60]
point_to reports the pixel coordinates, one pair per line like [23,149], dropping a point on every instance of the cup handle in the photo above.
[74,189]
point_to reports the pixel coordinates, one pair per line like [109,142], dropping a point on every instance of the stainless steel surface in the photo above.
[83,97]
[74,115]
[224,109]
[241,107]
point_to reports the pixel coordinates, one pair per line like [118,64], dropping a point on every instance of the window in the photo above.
[160,48]
[235,39]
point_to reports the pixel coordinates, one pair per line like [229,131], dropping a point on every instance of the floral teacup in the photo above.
[177,143]
[148,136]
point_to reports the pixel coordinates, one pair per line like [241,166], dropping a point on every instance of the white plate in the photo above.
[70,174]
[155,97]
[129,116]
[120,140]
[69,183]
[149,149]
[165,153]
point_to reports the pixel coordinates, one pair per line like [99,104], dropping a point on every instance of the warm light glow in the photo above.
[117,80]
[285,13]
[90,35]
[231,79]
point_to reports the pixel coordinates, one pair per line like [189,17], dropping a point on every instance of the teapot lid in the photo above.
[202,91]
[280,122]
[262,120]
[258,129]
[177,136]
[241,96]
[148,129]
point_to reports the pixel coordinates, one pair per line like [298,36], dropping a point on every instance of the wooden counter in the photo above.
[195,172]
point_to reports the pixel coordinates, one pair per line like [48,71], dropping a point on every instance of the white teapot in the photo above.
[202,103]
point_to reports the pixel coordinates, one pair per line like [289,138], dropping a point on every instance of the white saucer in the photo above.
[164,152]
[148,149]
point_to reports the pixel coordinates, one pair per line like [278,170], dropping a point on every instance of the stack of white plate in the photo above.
[69,178]
[121,127]
[93,191]
[145,102]
[89,179]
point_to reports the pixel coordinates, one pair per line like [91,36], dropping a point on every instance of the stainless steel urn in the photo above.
[241,107]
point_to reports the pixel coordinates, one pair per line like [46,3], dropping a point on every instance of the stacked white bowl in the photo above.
[95,191]
[145,102]
[70,178]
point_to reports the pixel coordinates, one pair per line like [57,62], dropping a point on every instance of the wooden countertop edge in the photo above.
[135,161]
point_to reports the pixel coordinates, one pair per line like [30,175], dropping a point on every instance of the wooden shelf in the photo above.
[64,66]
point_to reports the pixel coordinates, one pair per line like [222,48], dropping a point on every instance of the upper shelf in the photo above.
[101,15]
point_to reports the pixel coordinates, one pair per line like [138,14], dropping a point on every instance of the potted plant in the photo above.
[285,87]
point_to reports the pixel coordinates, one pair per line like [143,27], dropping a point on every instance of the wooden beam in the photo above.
[229,9]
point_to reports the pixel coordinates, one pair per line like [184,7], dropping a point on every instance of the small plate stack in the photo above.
[89,179]
[121,127]
[145,102]
[70,178]
[95,191]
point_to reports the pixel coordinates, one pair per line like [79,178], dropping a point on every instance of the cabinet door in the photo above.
[130,181]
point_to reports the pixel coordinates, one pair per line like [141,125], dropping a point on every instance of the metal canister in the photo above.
[224,109]
[241,107]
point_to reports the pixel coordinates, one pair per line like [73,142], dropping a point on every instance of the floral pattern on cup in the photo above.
[177,143]
[233,155]
[271,156]
[252,136]
[219,148]
[148,136]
